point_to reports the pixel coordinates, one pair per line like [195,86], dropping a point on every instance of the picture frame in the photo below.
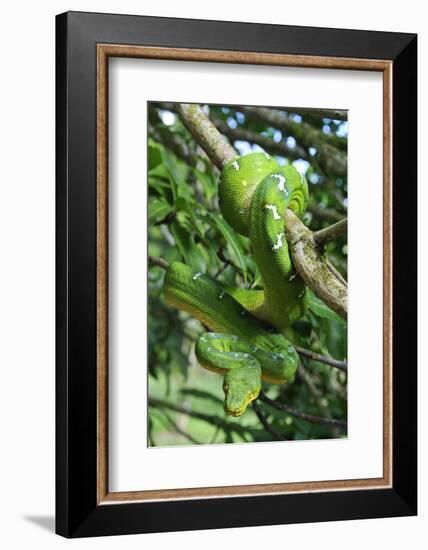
[84,44]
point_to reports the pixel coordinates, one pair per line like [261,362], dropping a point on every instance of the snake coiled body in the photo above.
[246,343]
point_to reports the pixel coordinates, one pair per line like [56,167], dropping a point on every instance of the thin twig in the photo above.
[332,232]
[268,144]
[210,419]
[335,272]
[266,424]
[227,262]
[158,262]
[331,153]
[180,431]
[307,134]
[300,414]
[341,365]
[220,271]
[307,379]
[328,214]
[315,392]
[333,114]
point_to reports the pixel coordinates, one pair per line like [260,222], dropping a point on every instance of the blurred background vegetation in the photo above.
[186,401]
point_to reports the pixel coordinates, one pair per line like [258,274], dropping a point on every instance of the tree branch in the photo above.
[266,424]
[330,158]
[270,146]
[300,414]
[341,365]
[206,134]
[313,267]
[327,214]
[179,430]
[306,133]
[210,419]
[335,272]
[333,114]
[332,232]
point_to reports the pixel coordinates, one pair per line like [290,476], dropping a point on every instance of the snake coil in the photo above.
[254,192]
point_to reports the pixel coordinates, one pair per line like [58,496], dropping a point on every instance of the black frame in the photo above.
[77,513]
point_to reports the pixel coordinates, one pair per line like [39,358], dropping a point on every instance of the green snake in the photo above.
[246,342]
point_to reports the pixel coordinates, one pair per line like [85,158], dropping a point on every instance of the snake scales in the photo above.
[254,192]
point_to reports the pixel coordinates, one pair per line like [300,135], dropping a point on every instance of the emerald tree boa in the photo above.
[246,342]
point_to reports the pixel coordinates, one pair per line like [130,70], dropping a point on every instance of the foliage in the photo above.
[186,402]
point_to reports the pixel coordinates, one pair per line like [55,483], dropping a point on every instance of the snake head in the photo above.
[241,386]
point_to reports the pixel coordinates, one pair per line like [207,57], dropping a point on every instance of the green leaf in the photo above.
[159,171]
[177,171]
[158,187]
[232,240]
[155,154]
[207,181]
[181,204]
[158,209]
[321,309]
[186,245]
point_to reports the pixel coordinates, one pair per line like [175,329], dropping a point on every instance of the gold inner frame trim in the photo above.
[104,51]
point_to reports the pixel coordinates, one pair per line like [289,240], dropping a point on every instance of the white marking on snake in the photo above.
[281,180]
[281,184]
[221,295]
[235,164]
[279,242]
[196,276]
[274,210]
[244,183]
[292,276]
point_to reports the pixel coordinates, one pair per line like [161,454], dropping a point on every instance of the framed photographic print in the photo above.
[236,274]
